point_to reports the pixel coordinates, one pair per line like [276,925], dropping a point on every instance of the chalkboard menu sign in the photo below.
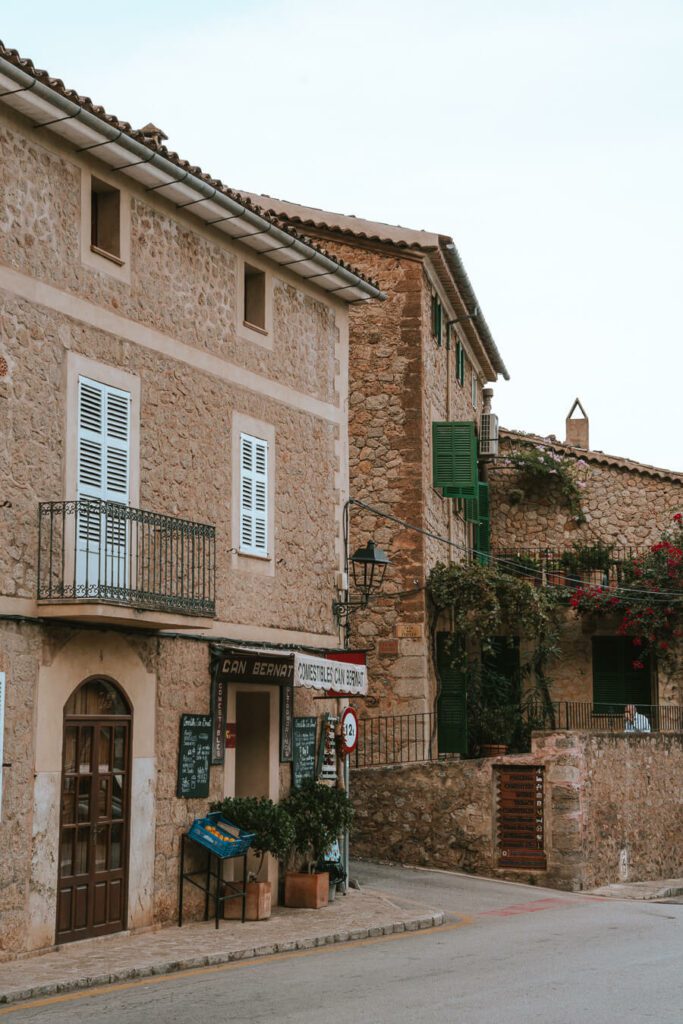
[520,816]
[194,756]
[303,749]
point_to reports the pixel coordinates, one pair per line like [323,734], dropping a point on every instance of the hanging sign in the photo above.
[325,674]
[327,750]
[303,749]
[219,695]
[349,730]
[194,756]
[2,731]
[286,723]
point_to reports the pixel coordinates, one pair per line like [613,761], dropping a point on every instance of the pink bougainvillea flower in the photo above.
[678,517]
[638,664]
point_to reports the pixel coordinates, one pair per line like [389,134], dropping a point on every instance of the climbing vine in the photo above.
[537,464]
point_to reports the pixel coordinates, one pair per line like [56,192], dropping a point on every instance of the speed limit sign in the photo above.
[349,730]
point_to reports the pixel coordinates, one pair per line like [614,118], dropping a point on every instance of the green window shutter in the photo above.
[471,510]
[615,681]
[452,702]
[454,459]
[436,319]
[459,363]
[483,536]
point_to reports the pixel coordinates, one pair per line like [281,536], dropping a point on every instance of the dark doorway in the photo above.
[95,812]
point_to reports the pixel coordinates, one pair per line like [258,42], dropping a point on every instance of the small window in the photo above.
[253,496]
[459,362]
[436,319]
[254,298]
[105,222]
[475,382]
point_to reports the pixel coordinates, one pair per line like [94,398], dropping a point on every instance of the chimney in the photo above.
[153,134]
[577,428]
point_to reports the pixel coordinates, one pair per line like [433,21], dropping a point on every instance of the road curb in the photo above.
[420,923]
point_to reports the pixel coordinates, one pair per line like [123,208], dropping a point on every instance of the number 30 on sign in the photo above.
[349,730]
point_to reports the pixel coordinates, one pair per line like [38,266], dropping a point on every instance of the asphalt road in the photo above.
[509,954]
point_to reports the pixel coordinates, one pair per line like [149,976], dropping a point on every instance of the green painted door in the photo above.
[452,702]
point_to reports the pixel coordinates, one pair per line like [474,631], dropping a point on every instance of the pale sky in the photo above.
[544,136]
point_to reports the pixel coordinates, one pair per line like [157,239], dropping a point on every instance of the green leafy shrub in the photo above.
[320,815]
[271,822]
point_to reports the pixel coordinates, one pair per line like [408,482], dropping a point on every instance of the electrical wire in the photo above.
[509,564]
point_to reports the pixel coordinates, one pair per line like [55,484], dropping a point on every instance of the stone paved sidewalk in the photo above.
[358,915]
[660,889]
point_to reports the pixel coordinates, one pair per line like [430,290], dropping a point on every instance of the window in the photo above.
[454,459]
[460,362]
[436,319]
[615,681]
[253,496]
[103,442]
[254,298]
[105,219]
[475,382]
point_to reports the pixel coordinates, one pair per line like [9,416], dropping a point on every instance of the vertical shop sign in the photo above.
[286,723]
[219,695]
[327,751]
[2,732]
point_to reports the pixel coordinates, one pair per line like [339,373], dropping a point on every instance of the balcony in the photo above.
[103,562]
[594,565]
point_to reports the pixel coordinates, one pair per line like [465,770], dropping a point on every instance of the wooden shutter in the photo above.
[615,681]
[253,495]
[436,319]
[483,536]
[454,459]
[103,442]
[459,362]
[452,702]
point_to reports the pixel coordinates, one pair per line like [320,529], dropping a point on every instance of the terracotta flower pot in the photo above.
[259,899]
[303,889]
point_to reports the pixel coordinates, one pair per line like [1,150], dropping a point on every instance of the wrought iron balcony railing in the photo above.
[102,551]
[564,568]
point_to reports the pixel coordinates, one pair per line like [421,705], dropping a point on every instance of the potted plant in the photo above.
[320,814]
[274,830]
[494,712]
[583,561]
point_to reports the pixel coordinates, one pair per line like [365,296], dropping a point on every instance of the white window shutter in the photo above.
[103,442]
[253,495]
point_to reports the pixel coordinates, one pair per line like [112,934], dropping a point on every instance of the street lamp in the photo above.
[368,566]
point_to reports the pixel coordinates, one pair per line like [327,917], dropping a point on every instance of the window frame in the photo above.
[252,332]
[91,255]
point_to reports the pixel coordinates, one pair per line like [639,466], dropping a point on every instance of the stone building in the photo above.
[622,509]
[420,362]
[173,398]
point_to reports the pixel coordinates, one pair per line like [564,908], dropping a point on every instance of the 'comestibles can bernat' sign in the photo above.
[324,674]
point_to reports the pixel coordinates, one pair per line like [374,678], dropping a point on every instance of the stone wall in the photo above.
[624,505]
[611,811]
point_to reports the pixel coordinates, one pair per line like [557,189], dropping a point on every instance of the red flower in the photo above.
[637,641]
[663,645]
[678,517]
[638,664]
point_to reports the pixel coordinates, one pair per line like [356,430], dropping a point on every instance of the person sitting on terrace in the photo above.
[634,721]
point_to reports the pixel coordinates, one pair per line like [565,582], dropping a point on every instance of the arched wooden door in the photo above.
[95,812]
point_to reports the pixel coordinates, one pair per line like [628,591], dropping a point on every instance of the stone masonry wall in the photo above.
[623,506]
[611,813]
[183,281]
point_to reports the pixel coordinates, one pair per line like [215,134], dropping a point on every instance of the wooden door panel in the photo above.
[94,828]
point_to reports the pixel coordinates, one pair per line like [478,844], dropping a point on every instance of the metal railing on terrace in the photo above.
[564,567]
[409,739]
[92,550]
[584,716]
[395,739]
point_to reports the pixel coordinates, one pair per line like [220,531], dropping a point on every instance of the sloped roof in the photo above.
[448,263]
[600,458]
[35,94]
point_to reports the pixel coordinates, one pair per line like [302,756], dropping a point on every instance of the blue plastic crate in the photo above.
[236,843]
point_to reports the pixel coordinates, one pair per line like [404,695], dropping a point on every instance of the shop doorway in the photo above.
[252,754]
[95,812]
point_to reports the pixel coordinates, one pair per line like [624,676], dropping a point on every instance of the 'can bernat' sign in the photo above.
[250,667]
